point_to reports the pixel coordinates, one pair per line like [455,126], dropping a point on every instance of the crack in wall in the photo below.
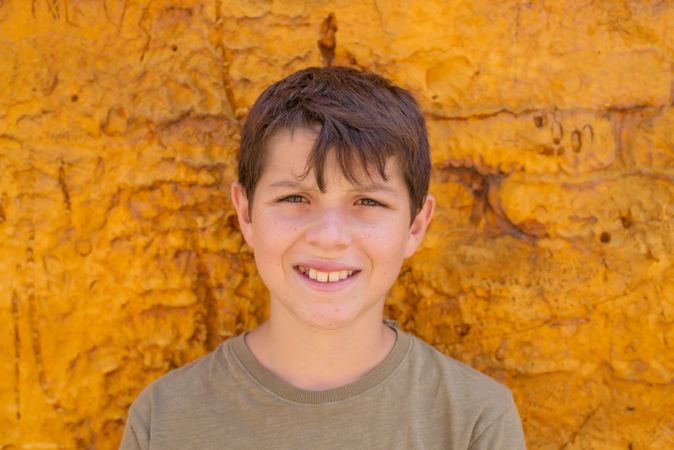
[578,311]
[64,186]
[122,17]
[542,111]
[145,30]
[617,119]
[586,420]
[32,313]
[204,292]
[54,9]
[17,353]
[35,334]
[327,41]
[106,11]
[486,208]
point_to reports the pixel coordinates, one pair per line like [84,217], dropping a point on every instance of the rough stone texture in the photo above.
[549,264]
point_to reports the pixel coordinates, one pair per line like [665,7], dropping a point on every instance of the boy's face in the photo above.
[327,258]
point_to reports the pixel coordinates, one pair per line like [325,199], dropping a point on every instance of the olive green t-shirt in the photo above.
[417,398]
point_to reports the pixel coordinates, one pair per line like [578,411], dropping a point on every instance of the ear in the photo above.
[419,226]
[241,205]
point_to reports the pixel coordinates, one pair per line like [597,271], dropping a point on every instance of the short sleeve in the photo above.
[503,433]
[137,430]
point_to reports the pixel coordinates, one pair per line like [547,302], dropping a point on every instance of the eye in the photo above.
[369,202]
[294,198]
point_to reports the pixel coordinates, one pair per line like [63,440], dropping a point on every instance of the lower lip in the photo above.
[328,286]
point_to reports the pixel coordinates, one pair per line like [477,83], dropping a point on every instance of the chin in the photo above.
[329,317]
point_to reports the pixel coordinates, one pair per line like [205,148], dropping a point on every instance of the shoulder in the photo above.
[184,378]
[462,392]
[446,370]
[177,388]
[465,397]
[180,393]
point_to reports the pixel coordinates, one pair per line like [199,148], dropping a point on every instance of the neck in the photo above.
[317,359]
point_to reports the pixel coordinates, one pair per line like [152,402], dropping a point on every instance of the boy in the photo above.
[332,196]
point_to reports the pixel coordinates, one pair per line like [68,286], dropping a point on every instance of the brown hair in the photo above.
[361,115]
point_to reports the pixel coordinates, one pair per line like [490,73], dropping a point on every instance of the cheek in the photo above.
[389,235]
[385,245]
[275,234]
[269,222]
[281,220]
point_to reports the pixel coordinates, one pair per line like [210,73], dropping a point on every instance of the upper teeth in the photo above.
[325,277]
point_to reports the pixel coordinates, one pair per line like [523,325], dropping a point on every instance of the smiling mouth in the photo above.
[325,277]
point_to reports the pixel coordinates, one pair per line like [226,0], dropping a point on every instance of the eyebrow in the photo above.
[366,188]
[293,184]
[375,187]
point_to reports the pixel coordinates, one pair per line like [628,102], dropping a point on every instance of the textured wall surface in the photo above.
[549,265]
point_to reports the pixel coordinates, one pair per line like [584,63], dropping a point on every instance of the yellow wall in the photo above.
[549,264]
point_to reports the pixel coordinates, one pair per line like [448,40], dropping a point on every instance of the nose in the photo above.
[330,230]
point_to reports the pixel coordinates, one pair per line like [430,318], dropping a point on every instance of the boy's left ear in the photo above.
[419,225]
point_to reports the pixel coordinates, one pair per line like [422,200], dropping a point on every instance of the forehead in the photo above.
[288,153]
[289,148]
